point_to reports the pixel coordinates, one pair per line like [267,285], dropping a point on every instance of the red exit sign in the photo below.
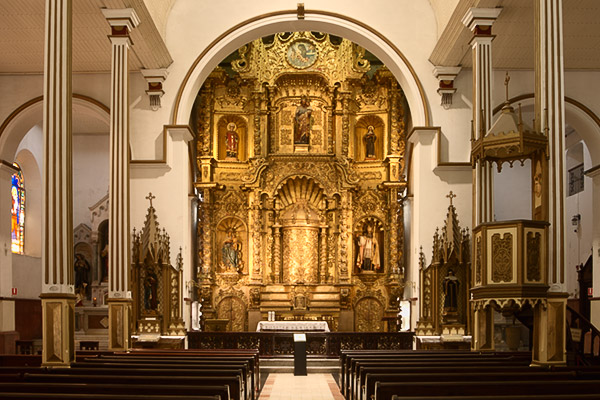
[590,292]
[14,291]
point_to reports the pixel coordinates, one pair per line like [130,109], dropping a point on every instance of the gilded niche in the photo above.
[300,141]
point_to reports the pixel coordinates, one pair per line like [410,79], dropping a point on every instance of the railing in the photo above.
[326,344]
[585,338]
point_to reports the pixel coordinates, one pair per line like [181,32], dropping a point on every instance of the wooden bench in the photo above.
[386,390]
[122,389]
[200,368]
[571,396]
[430,362]
[77,396]
[533,374]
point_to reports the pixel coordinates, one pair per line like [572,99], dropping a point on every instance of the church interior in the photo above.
[187,184]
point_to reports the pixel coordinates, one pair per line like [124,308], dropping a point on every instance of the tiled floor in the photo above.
[310,387]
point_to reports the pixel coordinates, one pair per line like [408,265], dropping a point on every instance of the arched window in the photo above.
[17,226]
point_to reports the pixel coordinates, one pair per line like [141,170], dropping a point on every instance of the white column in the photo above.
[479,21]
[550,118]
[119,246]
[58,299]
[7,307]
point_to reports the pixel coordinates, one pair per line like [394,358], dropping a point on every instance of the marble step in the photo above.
[313,365]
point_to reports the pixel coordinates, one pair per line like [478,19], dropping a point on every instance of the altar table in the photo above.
[302,326]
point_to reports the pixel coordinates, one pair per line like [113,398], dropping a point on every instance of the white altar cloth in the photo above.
[292,326]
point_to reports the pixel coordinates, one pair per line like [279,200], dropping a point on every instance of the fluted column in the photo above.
[479,21]
[58,298]
[550,118]
[549,331]
[119,246]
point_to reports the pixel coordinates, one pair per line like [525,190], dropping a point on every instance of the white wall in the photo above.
[90,174]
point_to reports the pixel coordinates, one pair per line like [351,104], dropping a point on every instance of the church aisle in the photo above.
[310,387]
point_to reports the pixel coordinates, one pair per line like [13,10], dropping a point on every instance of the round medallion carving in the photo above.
[301,54]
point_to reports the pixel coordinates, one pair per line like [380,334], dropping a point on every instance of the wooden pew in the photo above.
[533,374]
[121,389]
[570,396]
[448,362]
[234,382]
[199,367]
[77,396]
[386,390]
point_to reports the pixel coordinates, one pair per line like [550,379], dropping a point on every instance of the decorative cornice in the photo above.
[126,17]
[480,17]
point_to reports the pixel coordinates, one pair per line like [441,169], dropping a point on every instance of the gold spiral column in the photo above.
[119,294]
[58,298]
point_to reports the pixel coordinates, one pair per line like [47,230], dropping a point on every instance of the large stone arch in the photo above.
[286,20]
[30,113]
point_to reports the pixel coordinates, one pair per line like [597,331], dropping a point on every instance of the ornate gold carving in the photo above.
[232,308]
[534,241]
[369,314]
[502,257]
[300,255]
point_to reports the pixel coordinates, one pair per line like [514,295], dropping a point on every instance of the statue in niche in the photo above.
[151,291]
[368,250]
[104,257]
[82,280]
[369,139]
[302,122]
[232,253]
[231,141]
[450,290]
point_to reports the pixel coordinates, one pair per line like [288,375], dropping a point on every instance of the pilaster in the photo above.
[119,294]
[58,299]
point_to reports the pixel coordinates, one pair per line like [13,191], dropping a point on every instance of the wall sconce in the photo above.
[575,222]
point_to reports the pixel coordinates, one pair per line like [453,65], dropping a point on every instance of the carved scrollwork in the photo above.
[502,257]
[534,241]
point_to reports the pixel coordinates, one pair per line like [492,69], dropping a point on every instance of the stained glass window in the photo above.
[17,224]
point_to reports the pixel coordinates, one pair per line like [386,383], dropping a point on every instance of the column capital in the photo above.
[480,20]
[122,21]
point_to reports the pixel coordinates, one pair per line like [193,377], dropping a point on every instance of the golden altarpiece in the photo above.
[156,284]
[300,155]
[445,284]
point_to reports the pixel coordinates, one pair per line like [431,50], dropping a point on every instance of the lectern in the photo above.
[299,354]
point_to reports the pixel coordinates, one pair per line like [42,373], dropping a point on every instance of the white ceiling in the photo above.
[22,35]
[513,46]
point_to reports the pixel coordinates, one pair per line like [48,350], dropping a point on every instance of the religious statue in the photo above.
[370,143]
[104,257]
[368,252]
[450,289]
[151,291]
[231,140]
[82,269]
[302,122]
[232,253]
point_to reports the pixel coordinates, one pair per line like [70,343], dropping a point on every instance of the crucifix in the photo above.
[506,80]
[150,197]
[451,196]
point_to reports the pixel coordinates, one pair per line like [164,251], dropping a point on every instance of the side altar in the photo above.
[300,150]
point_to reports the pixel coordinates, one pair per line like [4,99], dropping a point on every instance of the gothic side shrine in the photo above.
[445,312]
[156,287]
[300,146]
